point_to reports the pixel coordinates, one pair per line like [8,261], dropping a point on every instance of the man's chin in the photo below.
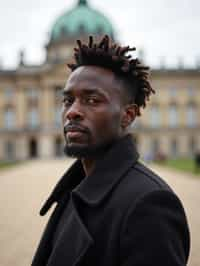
[76,151]
[85,151]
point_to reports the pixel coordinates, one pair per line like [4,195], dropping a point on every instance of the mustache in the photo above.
[76,127]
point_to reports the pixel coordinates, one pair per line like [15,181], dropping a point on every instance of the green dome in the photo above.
[81,19]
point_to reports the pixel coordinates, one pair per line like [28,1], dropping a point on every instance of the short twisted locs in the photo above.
[133,74]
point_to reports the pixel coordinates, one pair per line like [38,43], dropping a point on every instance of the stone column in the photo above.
[21,108]
[2,109]
[46,108]
[22,148]
[45,146]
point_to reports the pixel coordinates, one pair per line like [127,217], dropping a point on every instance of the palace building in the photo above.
[30,98]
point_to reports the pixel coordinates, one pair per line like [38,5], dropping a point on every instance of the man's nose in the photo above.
[74,112]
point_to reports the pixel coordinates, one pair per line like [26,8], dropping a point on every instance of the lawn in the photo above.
[8,164]
[183,164]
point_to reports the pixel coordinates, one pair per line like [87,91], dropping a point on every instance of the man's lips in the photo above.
[74,134]
[70,128]
[74,131]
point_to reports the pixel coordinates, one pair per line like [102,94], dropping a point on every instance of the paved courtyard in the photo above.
[24,188]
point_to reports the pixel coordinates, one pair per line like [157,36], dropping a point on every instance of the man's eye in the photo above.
[92,100]
[67,101]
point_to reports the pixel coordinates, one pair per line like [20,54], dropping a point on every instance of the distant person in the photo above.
[111,210]
[197,161]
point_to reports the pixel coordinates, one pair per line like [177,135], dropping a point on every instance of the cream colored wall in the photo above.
[46,146]
[58,76]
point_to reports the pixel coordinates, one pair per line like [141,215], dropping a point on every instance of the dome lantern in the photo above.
[82,2]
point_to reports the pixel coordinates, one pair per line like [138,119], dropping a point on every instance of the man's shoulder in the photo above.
[140,181]
[150,179]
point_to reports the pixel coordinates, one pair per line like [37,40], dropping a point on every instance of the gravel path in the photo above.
[24,188]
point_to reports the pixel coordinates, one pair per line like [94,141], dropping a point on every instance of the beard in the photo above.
[88,151]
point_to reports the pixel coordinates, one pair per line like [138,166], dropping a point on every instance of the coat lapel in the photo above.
[92,190]
[74,242]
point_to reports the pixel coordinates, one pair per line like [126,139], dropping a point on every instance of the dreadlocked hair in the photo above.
[114,57]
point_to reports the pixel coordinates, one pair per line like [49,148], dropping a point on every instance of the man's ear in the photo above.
[129,115]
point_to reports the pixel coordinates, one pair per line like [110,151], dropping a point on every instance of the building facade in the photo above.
[30,99]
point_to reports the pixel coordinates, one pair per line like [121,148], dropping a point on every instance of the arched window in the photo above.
[33,117]
[191,115]
[154,116]
[9,118]
[173,115]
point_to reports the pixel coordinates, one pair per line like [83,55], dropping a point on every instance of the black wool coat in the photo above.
[122,215]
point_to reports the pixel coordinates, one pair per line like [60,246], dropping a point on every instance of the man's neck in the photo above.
[88,166]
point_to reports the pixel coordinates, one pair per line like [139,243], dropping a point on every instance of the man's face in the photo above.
[92,111]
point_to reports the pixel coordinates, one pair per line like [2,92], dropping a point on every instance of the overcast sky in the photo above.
[167,30]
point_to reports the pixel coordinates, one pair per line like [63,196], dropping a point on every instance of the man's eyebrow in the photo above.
[86,91]
[92,91]
[65,92]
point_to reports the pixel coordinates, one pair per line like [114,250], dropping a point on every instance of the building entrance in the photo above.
[59,147]
[33,148]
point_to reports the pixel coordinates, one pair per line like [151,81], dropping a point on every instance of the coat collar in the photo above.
[94,188]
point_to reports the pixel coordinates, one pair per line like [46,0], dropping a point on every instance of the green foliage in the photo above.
[182,164]
[7,164]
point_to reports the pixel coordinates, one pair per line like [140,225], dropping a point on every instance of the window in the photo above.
[9,94]
[58,94]
[174,148]
[172,93]
[33,117]
[155,147]
[173,116]
[191,115]
[136,123]
[9,150]
[57,116]
[9,118]
[192,146]
[58,144]
[32,93]
[154,116]
[191,92]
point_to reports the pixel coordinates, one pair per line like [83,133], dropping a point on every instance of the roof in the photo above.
[81,19]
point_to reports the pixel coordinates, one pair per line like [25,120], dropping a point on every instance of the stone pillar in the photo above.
[164,113]
[2,156]
[47,105]
[21,108]
[144,145]
[2,109]
[182,115]
[22,148]
[45,146]
[183,145]
[164,143]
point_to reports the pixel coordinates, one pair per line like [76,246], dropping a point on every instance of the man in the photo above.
[111,210]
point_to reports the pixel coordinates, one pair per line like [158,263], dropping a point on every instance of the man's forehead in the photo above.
[86,75]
